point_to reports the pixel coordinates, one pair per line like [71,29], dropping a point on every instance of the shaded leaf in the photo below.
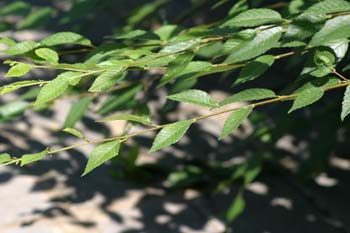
[30,158]
[236,208]
[36,18]
[180,46]
[77,111]
[255,68]
[329,6]
[137,34]
[176,66]
[235,120]
[101,154]
[170,134]
[194,96]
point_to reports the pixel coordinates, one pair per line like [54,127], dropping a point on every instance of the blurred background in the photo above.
[291,170]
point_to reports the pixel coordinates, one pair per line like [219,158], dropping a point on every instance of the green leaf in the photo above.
[107,79]
[334,29]
[36,18]
[77,111]
[236,208]
[329,6]
[137,34]
[17,85]
[15,8]
[30,158]
[21,48]
[47,54]
[346,104]
[324,58]
[180,46]
[194,96]
[306,97]
[73,77]
[170,134]
[74,132]
[4,158]
[255,68]
[254,17]
[262,42]
[65,38]
[249,95]
[176,66]
[101,154]
[13,108]
[52,90]
[18,70]
[128,117]
[235,120]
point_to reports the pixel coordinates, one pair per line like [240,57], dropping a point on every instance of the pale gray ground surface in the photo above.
[51,197]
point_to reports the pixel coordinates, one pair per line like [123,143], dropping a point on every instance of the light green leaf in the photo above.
[73,77]
[30,158]
[4,158]
[52,90]
[346,104]
[21,48]
[254,17]
[194,96]
[65,38]
[236,208]
[180,46]
[107,79]
[170,134]
[77,111]
[334,29]
[18,70]
[74,132]
[235,120]
[13,108]
[329,6]
[17,85]
[263,41]
[128,117]
[306,97]
[36,18]
[47,54]
[101,154]
[176,66]
[255,68]
[249,95]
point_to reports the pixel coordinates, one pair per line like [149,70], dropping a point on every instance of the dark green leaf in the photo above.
[255,68]
[36,18]
[236,208]
[77,111]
